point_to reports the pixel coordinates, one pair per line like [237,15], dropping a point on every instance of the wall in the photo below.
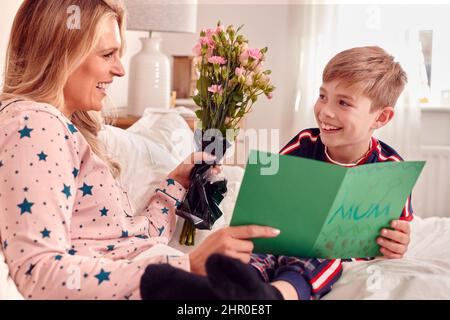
[436,127]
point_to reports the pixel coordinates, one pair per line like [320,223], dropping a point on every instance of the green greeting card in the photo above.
[323,210]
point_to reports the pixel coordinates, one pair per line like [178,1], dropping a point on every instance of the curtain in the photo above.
[314,36]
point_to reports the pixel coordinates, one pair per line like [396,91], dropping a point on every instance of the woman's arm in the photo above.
[161,208]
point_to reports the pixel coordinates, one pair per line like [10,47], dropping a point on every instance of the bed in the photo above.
[159,141]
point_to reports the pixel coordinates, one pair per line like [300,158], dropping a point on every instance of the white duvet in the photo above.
[423,274]
[150,149]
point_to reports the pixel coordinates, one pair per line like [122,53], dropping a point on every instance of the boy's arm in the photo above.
[323,276]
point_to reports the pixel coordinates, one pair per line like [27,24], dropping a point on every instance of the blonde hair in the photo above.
[43,51]
[370,70]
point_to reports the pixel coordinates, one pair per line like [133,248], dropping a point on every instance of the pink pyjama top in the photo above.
[66,226]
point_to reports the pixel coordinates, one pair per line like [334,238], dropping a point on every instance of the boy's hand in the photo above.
[394,243]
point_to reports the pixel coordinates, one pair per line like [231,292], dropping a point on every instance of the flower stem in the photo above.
[187,236]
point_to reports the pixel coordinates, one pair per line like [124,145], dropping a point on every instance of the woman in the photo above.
[65,223]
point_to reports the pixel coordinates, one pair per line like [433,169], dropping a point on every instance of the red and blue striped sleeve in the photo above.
[323,276]
[301,144]
[407,213]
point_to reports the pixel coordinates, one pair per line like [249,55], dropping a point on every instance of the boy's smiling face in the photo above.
[347,121]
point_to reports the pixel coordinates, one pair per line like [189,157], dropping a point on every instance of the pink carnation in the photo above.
[197,50]
[255,54]
[217,60]
[209,53]
[243,58]
[239,71]
[215,89]
[211,32]
[208,41]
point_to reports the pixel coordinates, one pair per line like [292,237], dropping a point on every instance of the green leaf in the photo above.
[224,73]
[199,114]
[198,100]
[238,97]
[241,113]
[231,109]
[202,86]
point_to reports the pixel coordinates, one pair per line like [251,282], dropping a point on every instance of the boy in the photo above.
[359,91]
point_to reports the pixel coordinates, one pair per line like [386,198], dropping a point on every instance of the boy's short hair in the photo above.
[372,71]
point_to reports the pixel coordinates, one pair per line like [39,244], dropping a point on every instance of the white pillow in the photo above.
[168,129]
[149,150]
[144,163]
[8,289]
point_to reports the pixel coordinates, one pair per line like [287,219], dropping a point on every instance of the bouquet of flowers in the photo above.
[231,78]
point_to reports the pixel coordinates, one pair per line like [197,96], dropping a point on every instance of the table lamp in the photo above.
[150,70]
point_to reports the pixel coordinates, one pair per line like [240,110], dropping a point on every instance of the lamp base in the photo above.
[149,84]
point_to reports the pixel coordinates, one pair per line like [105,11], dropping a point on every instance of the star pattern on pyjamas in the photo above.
[25,206]
[45,233]
[66,191]
[72,128]
[87,190]
[102,276]
[30,270]
[42,156]
[104,212]
[25,132]
[46,166]
[142,236]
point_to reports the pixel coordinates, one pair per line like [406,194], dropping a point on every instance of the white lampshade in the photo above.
[150,73]
[162,15]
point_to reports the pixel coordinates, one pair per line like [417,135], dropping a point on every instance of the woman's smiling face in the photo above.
[86,87]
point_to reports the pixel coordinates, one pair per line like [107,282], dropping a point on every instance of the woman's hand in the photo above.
[231,241]
[394,243]
[183,171]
